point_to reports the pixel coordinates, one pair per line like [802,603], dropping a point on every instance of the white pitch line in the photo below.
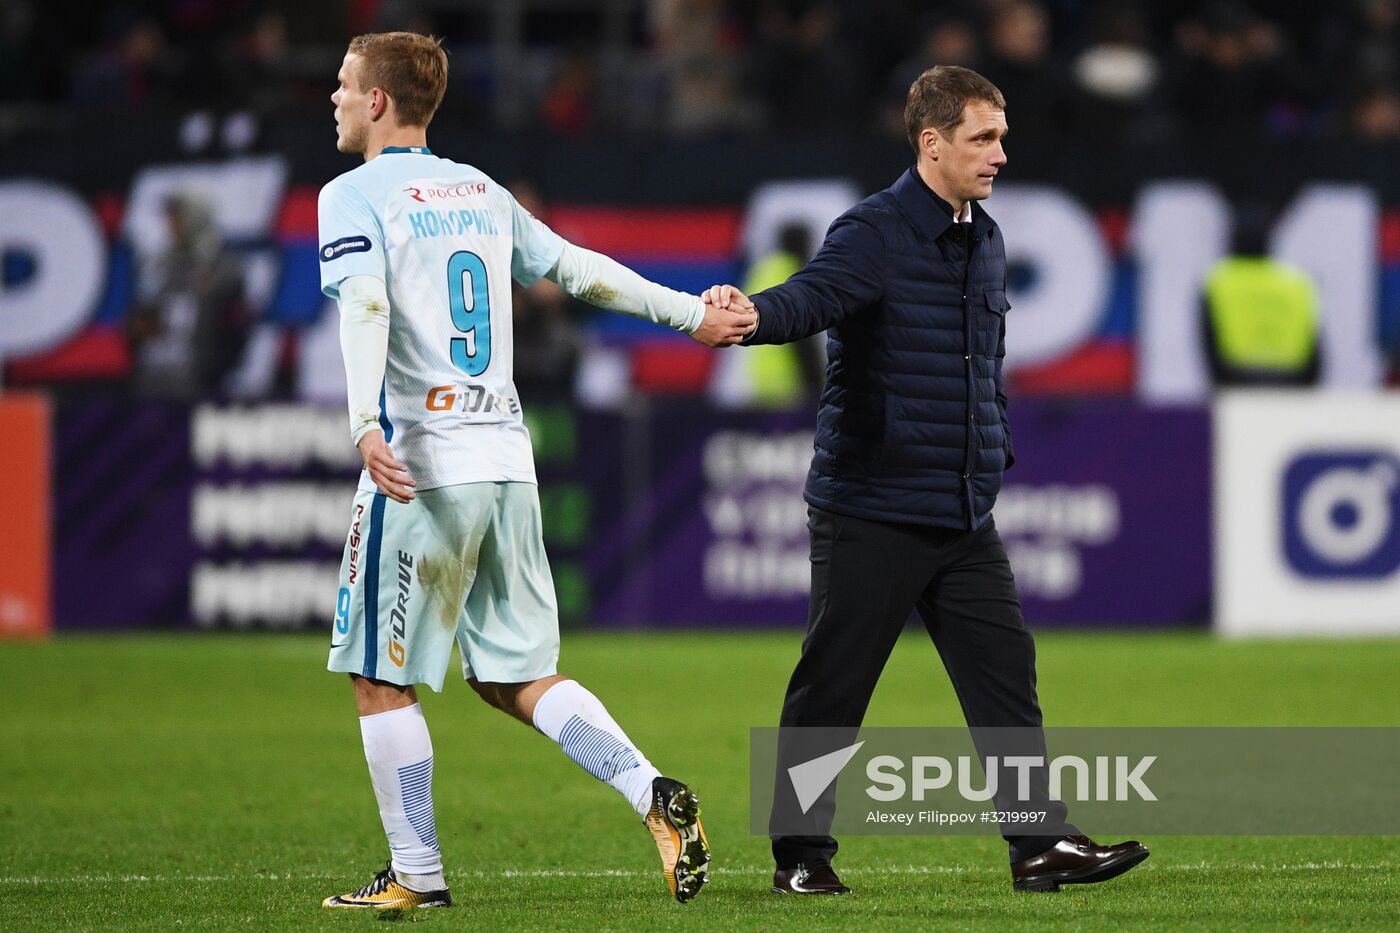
[625,873]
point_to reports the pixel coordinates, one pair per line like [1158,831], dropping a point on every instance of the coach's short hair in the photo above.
[938,97]
[410,68]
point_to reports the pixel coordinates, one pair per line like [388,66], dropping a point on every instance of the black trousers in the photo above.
[867,577]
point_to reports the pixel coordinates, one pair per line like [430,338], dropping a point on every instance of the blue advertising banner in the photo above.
[1106,516]
[1107,513]
[235,516]
[121,514]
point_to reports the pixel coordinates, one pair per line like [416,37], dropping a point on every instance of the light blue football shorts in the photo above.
[464,562]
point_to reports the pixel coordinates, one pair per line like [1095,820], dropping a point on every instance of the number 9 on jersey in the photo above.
[471,312]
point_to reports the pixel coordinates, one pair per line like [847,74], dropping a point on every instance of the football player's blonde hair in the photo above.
[410,68]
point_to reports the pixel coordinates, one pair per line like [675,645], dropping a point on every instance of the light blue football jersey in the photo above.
[446,239]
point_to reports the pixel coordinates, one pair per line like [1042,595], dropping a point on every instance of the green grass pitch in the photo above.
[216,781]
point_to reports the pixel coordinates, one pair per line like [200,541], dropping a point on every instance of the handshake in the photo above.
[729,317]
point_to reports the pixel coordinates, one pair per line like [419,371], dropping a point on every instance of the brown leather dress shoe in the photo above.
[1075,860]
[814,877]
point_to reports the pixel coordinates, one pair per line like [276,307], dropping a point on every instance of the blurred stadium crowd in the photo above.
[1160,71]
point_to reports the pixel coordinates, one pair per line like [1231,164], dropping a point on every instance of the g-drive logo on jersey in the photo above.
[469,398]
[349,244]
[1341,514]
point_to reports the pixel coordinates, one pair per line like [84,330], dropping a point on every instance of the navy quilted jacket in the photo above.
[912,425]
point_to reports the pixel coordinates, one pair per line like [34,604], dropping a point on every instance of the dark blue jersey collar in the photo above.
[420,150]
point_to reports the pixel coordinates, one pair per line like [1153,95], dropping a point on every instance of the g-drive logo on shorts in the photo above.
[1341,514]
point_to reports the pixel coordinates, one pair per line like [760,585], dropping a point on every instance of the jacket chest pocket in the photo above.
[989,321]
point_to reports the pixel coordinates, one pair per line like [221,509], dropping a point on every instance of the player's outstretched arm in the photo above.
[598,280]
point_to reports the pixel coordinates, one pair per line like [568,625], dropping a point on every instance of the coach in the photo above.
[912,438]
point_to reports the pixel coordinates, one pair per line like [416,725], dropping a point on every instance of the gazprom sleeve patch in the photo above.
[349,244]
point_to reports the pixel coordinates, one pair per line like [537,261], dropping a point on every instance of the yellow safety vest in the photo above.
[774,371]
[1264,314]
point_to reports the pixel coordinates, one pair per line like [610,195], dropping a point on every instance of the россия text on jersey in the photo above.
[452,223]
